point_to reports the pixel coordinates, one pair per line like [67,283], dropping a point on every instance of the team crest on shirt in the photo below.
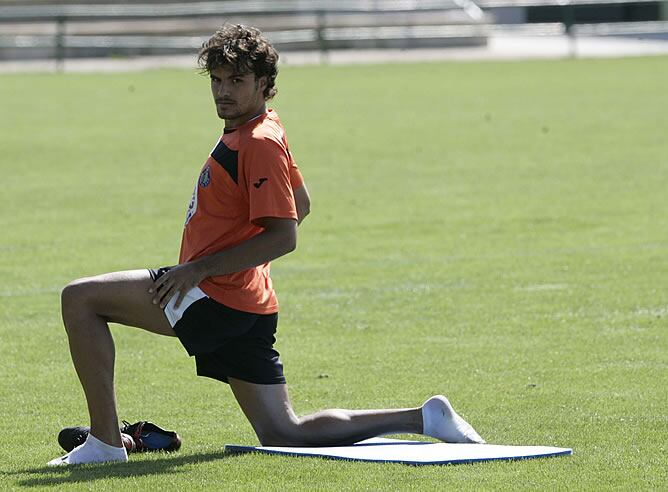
[205,177]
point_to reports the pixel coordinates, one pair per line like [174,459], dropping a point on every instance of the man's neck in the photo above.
[236,123]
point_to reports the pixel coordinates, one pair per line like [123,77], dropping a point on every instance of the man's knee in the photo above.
[75,296]
[287,434]
[277,437]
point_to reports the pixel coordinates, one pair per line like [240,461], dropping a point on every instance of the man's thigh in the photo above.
[120,297]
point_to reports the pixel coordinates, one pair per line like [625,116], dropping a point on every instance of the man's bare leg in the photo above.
[270,412]
[88,305]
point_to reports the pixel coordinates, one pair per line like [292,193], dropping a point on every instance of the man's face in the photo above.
[238,96]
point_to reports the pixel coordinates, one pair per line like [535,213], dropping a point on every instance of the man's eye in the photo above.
[237,80]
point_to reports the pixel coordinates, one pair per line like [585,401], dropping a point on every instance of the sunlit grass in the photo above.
[495,232]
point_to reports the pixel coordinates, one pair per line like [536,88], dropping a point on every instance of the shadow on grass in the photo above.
[58,475]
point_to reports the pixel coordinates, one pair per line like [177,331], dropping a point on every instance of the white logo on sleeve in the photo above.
[192,207]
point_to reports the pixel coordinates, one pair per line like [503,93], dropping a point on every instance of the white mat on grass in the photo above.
[412,452]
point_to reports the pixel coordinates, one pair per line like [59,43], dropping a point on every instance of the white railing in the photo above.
[235,7]
[296,24]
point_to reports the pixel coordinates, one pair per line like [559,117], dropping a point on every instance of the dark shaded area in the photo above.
[591,14]
[54,476]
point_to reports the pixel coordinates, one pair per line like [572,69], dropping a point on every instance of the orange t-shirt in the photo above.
[250,174]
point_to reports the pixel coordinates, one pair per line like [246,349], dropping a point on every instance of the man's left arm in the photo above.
[278,238]
[302,202]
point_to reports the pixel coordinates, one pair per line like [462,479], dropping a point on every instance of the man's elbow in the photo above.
[291,239]
[305,210]
[306,204]
[281,234]
[288,237]
[302,202]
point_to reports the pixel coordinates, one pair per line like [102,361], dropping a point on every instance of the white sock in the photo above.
[91,451]
[440,420]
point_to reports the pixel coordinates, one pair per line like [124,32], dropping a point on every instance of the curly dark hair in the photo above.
[245,49]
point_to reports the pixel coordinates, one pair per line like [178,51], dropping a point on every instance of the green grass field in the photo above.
[495,232]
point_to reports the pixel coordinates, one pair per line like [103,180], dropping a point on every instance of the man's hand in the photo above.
[177,281]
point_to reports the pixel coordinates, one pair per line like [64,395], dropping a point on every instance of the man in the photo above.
[219,300]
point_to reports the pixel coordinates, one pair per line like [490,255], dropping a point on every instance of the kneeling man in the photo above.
[219,300]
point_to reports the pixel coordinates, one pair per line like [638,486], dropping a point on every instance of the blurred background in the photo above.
[48,34]
[495,232]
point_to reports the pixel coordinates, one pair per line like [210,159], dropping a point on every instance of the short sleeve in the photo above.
[267,168]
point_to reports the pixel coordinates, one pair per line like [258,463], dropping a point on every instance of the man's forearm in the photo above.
[278,238]
[266,246]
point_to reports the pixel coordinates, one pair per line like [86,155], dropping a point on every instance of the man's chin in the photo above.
[227,115]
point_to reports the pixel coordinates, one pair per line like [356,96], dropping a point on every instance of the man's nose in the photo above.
[223,90]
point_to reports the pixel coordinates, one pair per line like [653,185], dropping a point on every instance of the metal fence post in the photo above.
[60,43]
[569,23]
[320,35]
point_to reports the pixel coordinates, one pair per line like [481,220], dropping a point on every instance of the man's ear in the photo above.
[262,82]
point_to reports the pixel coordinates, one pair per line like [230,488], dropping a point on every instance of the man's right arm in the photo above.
[278,238]
[302,202]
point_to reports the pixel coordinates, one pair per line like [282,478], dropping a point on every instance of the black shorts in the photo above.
[224,341]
